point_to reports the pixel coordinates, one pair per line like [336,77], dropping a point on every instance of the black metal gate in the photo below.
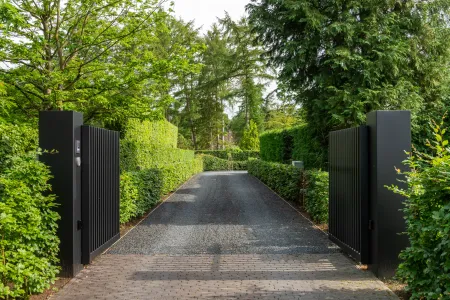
[100,191]
[349,201]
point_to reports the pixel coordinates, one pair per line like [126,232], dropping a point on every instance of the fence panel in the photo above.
[100,191]
[348,190]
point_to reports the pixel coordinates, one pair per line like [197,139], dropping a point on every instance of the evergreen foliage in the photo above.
[250,138]
[344,59]
[296,143]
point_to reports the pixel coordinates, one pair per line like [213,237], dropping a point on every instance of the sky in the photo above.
[205,12]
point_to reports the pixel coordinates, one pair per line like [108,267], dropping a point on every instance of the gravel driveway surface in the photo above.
[224,235]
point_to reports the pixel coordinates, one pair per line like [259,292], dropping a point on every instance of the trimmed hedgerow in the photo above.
[28,223]
[152,166]
[212,163]
[296,143]
[233,154]
[175,174]
[140,191]
[290,182]
[315,191]
[283,179]
[152,134]
[425,263]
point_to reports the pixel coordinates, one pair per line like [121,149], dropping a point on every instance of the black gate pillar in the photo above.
[61,131]
[389,138]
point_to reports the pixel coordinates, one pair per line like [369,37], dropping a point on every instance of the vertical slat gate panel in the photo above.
[100,191]
[348,207]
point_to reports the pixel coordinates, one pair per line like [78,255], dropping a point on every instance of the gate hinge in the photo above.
[79,225]
[371,227]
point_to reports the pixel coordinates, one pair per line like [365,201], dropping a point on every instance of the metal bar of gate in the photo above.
[349,203]
[100,191]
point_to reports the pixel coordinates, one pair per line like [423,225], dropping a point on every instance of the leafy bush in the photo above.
[28,223]
[212,163]
[129,194]
[296,143]
[250,138]
[283,179]
[233,154]
[16,140]
[316,195]
[426,263]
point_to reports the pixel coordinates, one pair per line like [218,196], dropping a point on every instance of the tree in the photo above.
[103,58]
[346,58]
[250,138]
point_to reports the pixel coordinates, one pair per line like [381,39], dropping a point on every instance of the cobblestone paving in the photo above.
[224,235]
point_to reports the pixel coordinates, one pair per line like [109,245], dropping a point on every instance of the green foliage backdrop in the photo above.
[151,165]
[296,143]
[28,222]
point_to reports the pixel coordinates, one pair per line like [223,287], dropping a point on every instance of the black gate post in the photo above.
[61,131]
[389,138]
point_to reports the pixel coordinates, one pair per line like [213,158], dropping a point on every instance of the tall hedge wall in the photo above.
[152,134]
[151,166]
[294,143]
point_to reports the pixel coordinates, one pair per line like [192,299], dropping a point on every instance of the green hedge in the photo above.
[283,179]
[151,166]
[140,191]
[235,155]
[296,143]
[152,134]
[315,189]
[290,183]
[212,163]
[28,223]
[425,263]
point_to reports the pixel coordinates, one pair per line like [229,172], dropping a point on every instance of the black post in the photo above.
[61,131]
[389,138]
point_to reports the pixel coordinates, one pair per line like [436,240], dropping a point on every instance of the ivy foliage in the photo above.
[296,143]
[425,263]
[28,223]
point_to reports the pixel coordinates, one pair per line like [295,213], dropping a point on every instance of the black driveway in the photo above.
[224,213]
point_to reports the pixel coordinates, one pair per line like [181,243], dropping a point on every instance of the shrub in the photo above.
[152,134]
[212,163]
[129,194]
[287,181]
[175,174]
[233,154]
[425,264]
[294,143]
[316,195]
[250,138]
[283,179]
[16,140]
[28,223]
[152,166]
